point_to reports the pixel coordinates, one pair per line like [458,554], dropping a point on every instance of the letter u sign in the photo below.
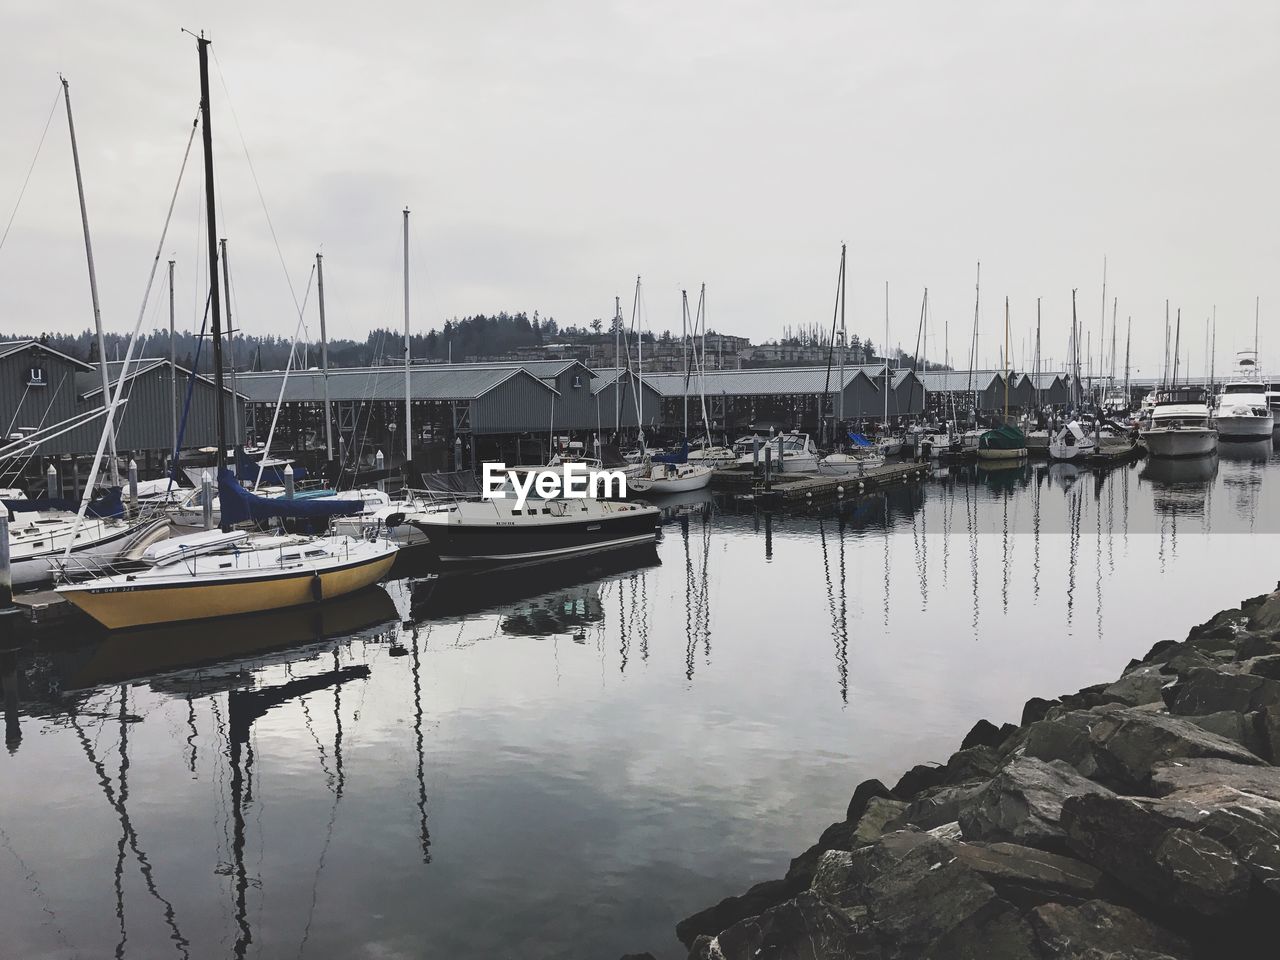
[35,377]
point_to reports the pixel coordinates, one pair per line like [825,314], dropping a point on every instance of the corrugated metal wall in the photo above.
[520,405]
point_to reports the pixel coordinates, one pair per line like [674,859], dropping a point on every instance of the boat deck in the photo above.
[797,488]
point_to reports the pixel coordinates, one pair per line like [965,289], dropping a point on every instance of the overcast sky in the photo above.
[550,152]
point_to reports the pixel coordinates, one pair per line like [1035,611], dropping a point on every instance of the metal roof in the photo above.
[959,381]
[433,382]
[765,381]
[9,347]
[89,384]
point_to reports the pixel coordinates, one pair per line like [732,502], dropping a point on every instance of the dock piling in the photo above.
[6,575]
[133,485]
[206,489]
[288,481]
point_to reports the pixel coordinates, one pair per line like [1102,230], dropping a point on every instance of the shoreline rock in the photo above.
[1137,818]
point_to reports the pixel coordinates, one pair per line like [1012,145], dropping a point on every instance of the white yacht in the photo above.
[1242,410]
[38,542]
[671,478]
[1180,425]
[798,453]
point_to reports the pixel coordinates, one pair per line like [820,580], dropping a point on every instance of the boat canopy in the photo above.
[858,440]
[1005,437]
[677,456]
[238,505]
[105,504]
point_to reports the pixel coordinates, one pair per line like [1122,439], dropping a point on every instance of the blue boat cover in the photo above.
[105,504]
[680,456]
[858,440]
[238,505]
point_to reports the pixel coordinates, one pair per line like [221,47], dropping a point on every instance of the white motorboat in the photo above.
[1070,442]
[1242,410]
[1180,425]
[795,451]
[38,543]
[716,457]
[490,533]
[849,464]
[665,478]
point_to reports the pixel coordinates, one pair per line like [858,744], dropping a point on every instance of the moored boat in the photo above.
[1180,425]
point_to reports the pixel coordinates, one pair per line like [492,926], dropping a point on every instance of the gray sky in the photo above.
[551,152]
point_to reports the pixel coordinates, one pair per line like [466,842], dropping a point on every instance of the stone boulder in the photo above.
[1224,624]
[918,778]
[862,793]
[843,877]
[1128,742]
[1241,728]
[732,910]
[1098,930]
[1035,709]
[1266,615]
[1023,803]
[1201,778]
[1143,684]
[940,805]
[971,765]
[1153,847]
[1209,690]
[1027,877]
[806,927]
[1064,737]
[874,821]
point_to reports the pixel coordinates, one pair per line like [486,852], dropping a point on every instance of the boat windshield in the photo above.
[1182,395]
[1254,388]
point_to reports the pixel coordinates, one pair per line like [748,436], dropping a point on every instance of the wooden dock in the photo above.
[800,488]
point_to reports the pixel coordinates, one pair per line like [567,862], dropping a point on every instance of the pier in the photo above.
[799,488]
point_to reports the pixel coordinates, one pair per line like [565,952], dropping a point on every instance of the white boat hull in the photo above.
[985,453]
[690,478]
[1248,427]
[1181,442]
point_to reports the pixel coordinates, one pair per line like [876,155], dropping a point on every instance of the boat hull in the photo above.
[1244,428]
[118,607]
[696,479]
[1182,442]
[483,545]
[989,453]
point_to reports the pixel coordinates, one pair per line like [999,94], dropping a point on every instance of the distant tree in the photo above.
[597,325]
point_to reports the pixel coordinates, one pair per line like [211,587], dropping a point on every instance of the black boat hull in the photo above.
[459,545]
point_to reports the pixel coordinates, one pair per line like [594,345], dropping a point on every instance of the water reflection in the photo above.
[644,732]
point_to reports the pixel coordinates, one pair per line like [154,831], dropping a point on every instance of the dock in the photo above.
[802,488]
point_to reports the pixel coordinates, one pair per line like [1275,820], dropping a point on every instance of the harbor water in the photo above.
[565,761]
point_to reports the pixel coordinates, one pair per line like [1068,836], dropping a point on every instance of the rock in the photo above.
[838,836]
[1159,651]
[1186,660]
[1196,778]
[1128,742]
[932,808]
[864,792]
[1138,686]
[879,813]
[1242,728]
[1085,698]
[1035,709]
[926,903]
[999,933]
[843,877]
[1252,645]
[984,734]
[1023,803]
[1262,665]
[1065,737]
[804,928]
[920,777]
[1267,725]
[1098,930]
[973,764]
[1266,615]
[1225,623]
[1207,690]
[731,910]
[1154,848]
[638,956]
[1027,877]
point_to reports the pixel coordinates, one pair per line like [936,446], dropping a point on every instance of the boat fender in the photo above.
[317,588]
[840,490]
[394,520]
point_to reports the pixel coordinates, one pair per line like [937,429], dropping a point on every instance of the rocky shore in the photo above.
[1136,819]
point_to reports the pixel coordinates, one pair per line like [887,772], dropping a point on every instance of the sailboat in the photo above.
[225,572]
[1005,442]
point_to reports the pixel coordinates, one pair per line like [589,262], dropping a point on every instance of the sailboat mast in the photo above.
[1257,307]
[93,282]
[215,302]
[617,364]
[231,344]
[1037,354]
[639,364]
[1177,340]
[173,374]
[885,421]
[684,343]
[324,360]
[408,386]
[841,347]
[1115,303]
[1006,359]
[1128,333]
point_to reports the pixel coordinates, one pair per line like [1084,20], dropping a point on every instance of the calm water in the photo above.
[565,763]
